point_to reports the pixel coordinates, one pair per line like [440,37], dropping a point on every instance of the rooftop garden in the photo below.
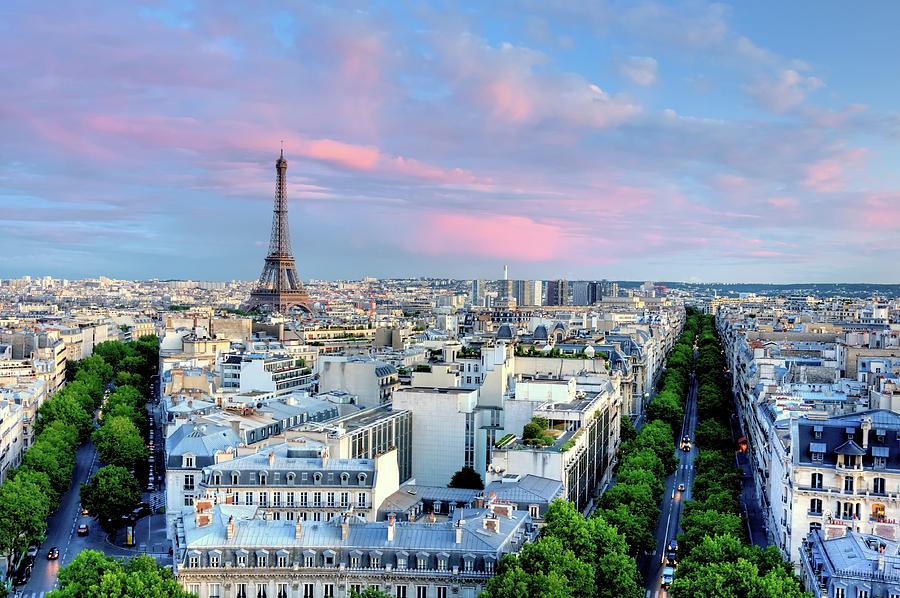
[535,351]
[468,352]
[539,433]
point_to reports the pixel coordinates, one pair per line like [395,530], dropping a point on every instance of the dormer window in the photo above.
[187,461]
[290,477]
[345,478]
[217,479]
[317,478]
[362,478]
[262,478]
[818,457]
[235,478]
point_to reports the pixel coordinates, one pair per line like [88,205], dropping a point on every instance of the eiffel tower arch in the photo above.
[279,288]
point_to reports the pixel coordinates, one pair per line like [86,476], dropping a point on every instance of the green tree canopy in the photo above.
[111,493]
[119,442]
[466,477]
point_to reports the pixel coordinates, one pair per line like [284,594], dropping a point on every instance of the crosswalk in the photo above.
[22,594]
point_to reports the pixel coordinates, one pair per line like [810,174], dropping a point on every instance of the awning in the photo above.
[817,447]
[880,451]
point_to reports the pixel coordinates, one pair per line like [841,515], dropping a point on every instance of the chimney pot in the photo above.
[229,529]
[392,524]
[459,531]
[298,528]
[271,458]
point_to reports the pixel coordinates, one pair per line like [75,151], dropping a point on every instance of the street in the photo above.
[673,501]
[149,531]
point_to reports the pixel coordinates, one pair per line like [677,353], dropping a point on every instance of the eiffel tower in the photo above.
[279,287]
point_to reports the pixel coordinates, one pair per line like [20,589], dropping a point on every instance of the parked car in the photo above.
[53,554]
[83,530]
[681,487]
[32,551]
[22,576]
[85,511]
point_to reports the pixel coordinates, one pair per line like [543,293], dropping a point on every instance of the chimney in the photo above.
[866,428]
[459,531]
[271,458]
[392,524]
[229,529]
[298,527]
[491,524]
[345,528]
[325,457]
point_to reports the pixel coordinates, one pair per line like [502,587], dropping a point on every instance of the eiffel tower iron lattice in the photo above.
[279,287]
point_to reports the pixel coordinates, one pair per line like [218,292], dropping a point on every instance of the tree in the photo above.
[94,574]
[370,592]
[24,506]
[66,408]
[111,493]
[666,406]
[627,432]
[119,442]
[466,477]
[636,527]
[544,568]
[698,523]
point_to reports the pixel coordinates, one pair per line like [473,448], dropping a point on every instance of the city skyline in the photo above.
[695,142]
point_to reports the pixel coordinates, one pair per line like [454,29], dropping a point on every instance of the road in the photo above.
[673,501]
[149,531]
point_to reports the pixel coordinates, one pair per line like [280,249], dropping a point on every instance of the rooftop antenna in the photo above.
[282,148]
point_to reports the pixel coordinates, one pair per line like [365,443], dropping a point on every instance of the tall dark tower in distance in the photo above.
[279,287]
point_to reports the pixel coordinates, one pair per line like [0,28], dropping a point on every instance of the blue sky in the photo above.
[655,140]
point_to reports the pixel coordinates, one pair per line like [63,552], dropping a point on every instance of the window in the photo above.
[194,589]
[308,590]
[263,499]
[848,483]
[401,562]
[354,562]
[442,592]
[193,561]
[534,511]
[442,563]
[189,481]
[374,562]
[401,592]
[422,562]
[879,462]
[214,590]
[283,591]
[317,516]
[262,560]
[290,499]
[361,500]
[330,499]
[235,479]
[469,564]
[355,588]
[213,560]
[878,486]
[329,590]
[818,457]
[261,590]
[817,433]
[187,462]
[345,499]
[317,499]
[188,500]
[489,566]
[249,498]
[421,591]
[262,479]
[816,481]
[815,506]
[242,560]
[862,593]
[217,479]
[241,590]
[276,499]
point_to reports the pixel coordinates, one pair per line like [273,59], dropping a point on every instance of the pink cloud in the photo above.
[490,236]
[880,211]
[410,167]
[829,175]
[356,157]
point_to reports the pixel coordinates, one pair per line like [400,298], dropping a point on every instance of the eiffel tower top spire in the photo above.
[279,287]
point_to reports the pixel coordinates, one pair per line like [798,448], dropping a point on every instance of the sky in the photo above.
[745,142]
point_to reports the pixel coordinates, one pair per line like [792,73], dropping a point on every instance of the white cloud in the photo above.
[783,93]
[640,70]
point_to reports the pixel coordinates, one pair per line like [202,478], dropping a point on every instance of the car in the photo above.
[85,511]
[668,576]
[32,551]
[671,560]
[22,576]
[141,509]
[681,487]
[673,546]
[53,554]
[83,530]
